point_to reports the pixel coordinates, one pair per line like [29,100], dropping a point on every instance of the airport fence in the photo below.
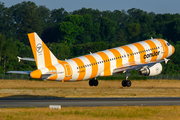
[114,77]
[14,77]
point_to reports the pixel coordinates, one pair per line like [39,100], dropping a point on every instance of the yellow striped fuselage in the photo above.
[104,62]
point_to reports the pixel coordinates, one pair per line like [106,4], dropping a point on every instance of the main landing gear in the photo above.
[93,82]
[126,82]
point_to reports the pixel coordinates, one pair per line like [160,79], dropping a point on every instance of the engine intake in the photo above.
[156,69]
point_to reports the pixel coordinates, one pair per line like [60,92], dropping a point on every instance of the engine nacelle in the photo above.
[156,69]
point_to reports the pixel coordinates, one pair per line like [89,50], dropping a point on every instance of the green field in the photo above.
[139,88]
[106,88]
[95,113]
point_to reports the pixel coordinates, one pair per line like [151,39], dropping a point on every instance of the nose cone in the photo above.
[173,49]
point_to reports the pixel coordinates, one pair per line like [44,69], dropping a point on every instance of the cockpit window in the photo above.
[168,44]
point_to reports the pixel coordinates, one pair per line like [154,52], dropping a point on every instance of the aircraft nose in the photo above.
[173,49]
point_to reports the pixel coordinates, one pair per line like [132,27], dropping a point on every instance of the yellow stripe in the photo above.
[94,67]
[117,54]
[107,71]
[82,70]
[164,49]
[152,45]
[141,49]
[47,56]
[129,51]
[33,46]
[48,62]
[173,49]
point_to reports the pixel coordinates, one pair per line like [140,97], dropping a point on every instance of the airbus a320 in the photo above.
[144,56]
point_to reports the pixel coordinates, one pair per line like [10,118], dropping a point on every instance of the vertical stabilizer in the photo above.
[42,55]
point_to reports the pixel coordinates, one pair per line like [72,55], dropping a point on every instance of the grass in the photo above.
[95,113]
[113,88]
[139,88]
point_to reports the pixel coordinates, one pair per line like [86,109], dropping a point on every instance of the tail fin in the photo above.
[43,56]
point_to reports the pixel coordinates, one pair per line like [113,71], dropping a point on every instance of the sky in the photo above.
[156,6]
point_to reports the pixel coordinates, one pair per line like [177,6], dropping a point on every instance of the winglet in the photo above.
[19,58]
[166,60]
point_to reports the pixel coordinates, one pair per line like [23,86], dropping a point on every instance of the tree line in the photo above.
[71,34]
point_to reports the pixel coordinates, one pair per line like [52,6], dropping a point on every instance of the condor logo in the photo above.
[39,48]
[151,54]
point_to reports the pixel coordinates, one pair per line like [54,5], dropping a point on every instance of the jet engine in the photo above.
[156,69]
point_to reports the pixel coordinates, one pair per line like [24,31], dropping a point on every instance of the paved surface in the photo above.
[85,102]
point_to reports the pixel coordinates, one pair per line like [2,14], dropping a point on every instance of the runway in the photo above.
[89,102]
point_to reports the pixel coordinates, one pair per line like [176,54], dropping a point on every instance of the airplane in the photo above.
[144,56]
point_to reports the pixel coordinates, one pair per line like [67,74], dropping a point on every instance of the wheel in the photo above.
[128,83]
[91,83]
[95,83]
[124,83]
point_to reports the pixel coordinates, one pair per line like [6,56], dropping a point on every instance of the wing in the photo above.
[137,67]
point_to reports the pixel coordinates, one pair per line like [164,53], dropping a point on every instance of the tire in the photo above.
[95,83]
[124,83]
[91,83]
[128,83]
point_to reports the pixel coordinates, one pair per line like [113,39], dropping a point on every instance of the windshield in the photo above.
[168,44]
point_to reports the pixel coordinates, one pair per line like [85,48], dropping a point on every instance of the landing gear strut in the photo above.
[93,82]
[126,82]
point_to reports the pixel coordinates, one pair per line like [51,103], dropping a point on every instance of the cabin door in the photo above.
[68,70]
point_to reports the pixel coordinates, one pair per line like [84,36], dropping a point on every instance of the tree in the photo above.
[88,26]
[107,29]
[2,42]
[60,50]
[57,15]
[9,55]
[71,27]
[134,30]
[27,19]
[45,16]
[6,21]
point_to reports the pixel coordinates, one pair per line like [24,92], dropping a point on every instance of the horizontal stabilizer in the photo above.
[28,59]
[19,72]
